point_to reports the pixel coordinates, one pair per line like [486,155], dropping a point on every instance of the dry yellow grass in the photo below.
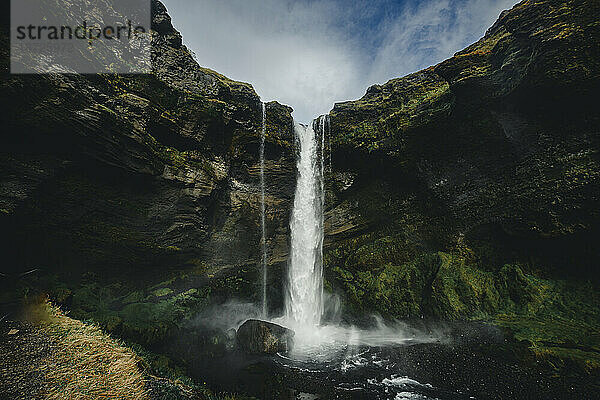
[87,363]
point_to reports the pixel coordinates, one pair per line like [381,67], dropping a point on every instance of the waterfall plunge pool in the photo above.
[417,360]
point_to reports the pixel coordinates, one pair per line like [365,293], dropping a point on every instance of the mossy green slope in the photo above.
[470,190]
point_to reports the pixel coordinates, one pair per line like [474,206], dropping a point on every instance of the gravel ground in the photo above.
[21,357]
[164,389]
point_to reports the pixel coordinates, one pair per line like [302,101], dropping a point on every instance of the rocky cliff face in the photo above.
[490,157]
[466,190]
[115,183]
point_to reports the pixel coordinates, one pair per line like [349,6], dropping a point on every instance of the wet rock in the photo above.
[483,168]
[476,158]
[255,336]
[164,167]
[231,336]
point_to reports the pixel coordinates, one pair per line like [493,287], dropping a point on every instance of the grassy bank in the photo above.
[51,356]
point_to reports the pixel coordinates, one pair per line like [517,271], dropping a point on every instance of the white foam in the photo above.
[402,381]
[411,396]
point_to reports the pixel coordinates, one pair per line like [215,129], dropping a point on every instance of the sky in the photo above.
[309,54]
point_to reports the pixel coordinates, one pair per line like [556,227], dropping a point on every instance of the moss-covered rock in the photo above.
[129,175]
[557,319]
[494,149]
[470,190]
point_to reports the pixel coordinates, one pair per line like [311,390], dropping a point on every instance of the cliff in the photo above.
[471,189]
[468,190]
[139,194]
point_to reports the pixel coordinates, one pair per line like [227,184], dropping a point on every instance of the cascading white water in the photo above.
[304,297]
[304,306]
[262,211]
[322,121]
[330,152]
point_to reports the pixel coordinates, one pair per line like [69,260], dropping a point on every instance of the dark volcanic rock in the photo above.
[491,155]
[140,172]
[261,337]
[134,181]
[471,189]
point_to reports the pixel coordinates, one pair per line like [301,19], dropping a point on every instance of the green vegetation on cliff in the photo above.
[470,190]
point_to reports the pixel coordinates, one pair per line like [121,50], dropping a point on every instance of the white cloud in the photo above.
[432,31]
[310,54]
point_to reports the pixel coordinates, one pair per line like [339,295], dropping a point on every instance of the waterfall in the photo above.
[316,339]
[321,211]
[262,211]
[304,297]
[330,152]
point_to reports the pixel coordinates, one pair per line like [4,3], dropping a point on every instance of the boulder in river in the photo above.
[256,336]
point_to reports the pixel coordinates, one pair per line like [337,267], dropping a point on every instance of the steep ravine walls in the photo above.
[471,189]
[468,190]
[137,197]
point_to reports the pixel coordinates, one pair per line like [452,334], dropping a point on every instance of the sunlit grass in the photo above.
[87,363]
